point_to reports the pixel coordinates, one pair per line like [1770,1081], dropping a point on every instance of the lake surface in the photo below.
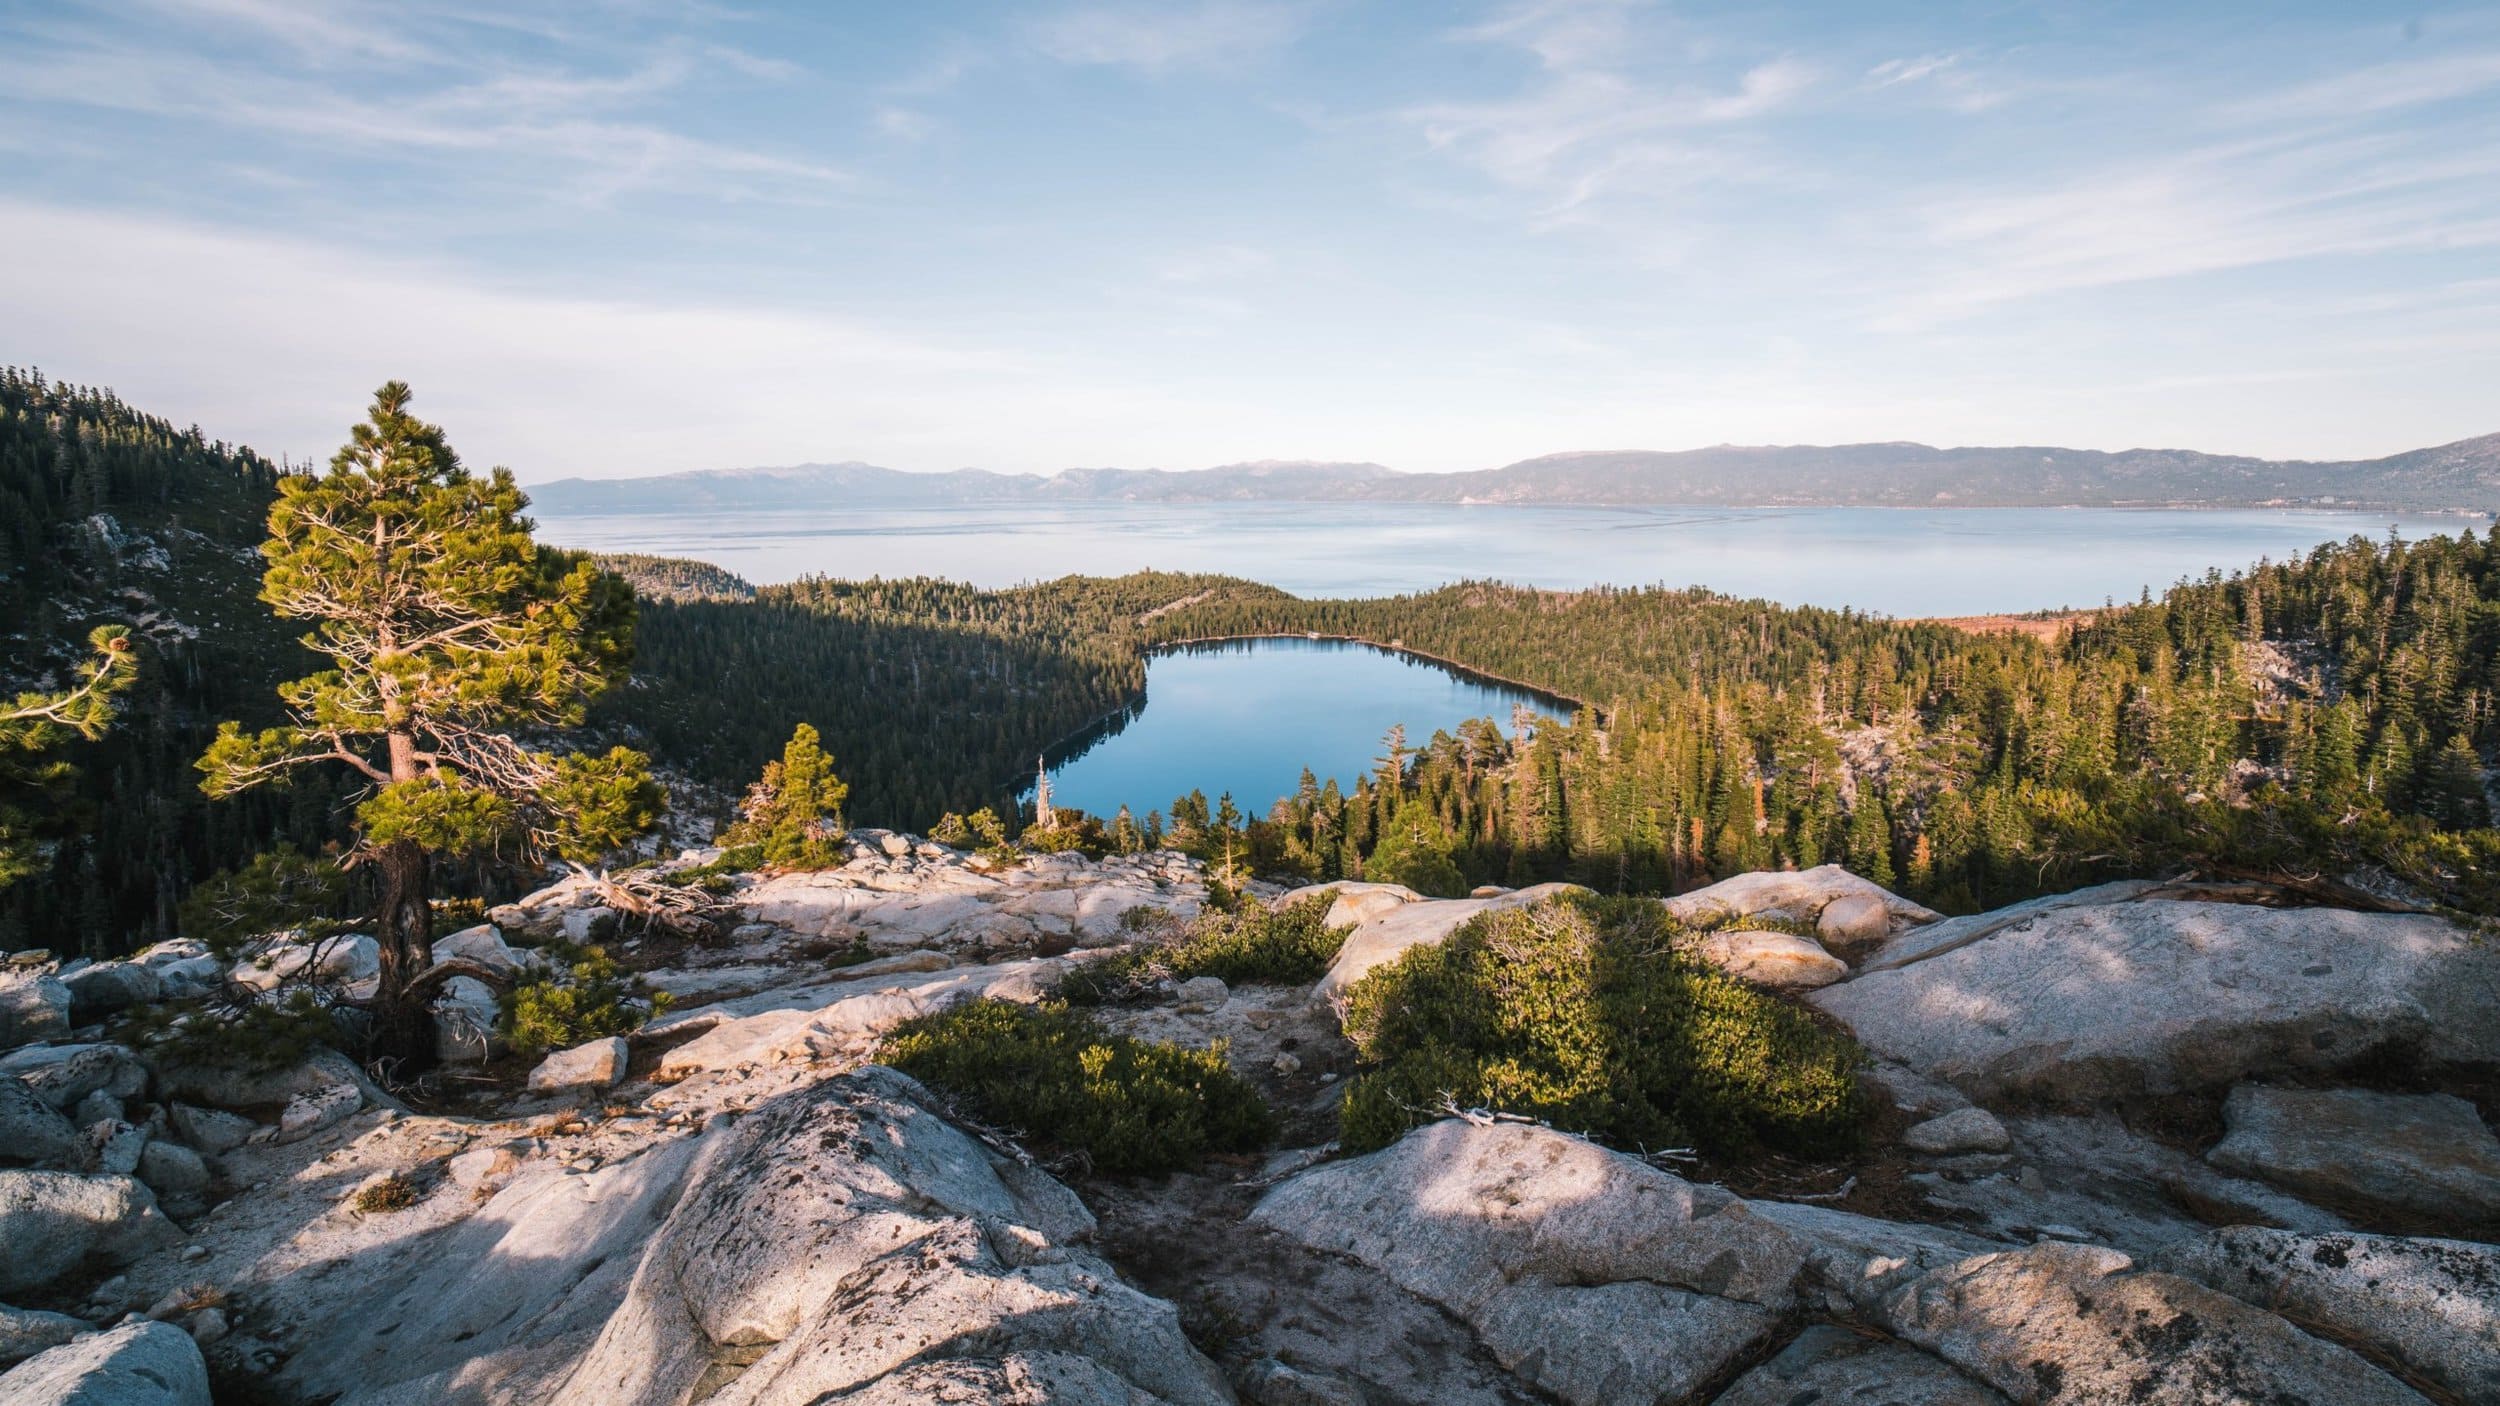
[1903,562]
[1246,717]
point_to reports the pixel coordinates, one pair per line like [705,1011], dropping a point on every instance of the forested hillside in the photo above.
[932,695]
[108,515]
[2332,715]
[2328,716]
[2322,720]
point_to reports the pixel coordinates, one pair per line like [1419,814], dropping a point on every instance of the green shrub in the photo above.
[391,1193]
[1414,850]
[590,998]
[981,831]
[254,1037]
[715,878]
[281,889]
[1256,944]
[1586,1015]
[795,812]
[1123,1105]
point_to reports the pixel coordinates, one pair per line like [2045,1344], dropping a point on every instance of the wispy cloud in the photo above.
[1611,122]
[2242,192]
[242,333]
[1157,38]
[2376,88]
[345,80]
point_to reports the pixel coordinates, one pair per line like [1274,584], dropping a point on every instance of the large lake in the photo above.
[1247,717]
[1902,562]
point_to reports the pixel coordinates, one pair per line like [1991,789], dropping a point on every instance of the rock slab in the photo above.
[2433,1305]
[1772,958]
[2092,1003]
[2410,1156]
[1828,1365]
[2071,1323]
[1591,1275]
[54,1223]
[1381,940]
[140,1364]
[597,1065]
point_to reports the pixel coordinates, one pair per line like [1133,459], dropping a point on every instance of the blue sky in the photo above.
[635,237]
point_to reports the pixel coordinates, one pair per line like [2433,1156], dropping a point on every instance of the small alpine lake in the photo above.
[1246,716]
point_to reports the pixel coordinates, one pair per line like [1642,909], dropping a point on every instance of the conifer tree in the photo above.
[446,631]
[795,811]
[32,730]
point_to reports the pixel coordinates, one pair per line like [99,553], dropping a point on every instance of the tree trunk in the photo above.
[403,1028]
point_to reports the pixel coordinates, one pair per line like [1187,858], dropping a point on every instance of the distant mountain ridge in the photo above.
[2464,475]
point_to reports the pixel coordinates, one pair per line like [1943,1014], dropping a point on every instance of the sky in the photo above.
[634,237]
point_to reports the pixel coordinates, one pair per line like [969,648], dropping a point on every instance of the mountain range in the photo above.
[2464,475]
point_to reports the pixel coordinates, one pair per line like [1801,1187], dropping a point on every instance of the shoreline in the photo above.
[1092,731]
[1464,671]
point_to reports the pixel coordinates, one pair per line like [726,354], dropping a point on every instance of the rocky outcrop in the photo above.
[2420,1157]
[2090,1178]
[2431,1305]
[64,1076]
[2078,1323]
[2091,1003]
[55,1223]
[1849,914]
[34,1005]
[1588,1274]
[184,967]
[1853,1261]
[1354,903]
[597,1065]
[839,1017]
[1456,1210]
[1383,939]
[944,900]
[848,1238]
[352,960]
[1963,1130]
[238,1087]
[141,1364]
[842,1241]
[1772,958]
[483,944]
[1948,934]
[33,1132]
[100,989]
[27,1331]
[465,1018]
[761,1219]
[1832,1366]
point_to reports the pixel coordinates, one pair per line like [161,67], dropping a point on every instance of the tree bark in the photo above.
[404,929]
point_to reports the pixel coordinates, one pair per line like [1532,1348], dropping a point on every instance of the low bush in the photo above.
[589,998]
[1585,1014]
[254,1036]
[385,1194]
[279,890]
[1255,944]
[718,877]
[1120,1105]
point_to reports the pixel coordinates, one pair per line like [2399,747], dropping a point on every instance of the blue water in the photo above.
[1902,562]
[1247,717]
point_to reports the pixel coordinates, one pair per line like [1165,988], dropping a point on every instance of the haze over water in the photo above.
[1902,562]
